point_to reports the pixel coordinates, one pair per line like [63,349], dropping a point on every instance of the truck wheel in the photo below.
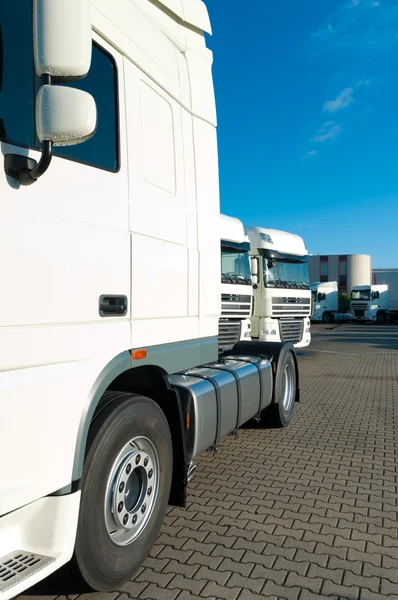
[381,317]
[326,318]
[125,490]
[281,412]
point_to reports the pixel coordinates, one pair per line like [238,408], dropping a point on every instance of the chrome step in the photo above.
[20,565]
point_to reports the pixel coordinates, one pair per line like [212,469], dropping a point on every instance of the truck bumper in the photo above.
[35,541]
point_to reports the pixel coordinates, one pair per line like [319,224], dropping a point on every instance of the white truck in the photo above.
[282,296]
[377,302]
[325,297]
[108,193]
[236,285]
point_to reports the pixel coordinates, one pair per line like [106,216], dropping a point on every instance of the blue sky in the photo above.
[307,100]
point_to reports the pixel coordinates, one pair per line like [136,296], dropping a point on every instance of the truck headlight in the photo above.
[308,329]
[268,332]
[247,334]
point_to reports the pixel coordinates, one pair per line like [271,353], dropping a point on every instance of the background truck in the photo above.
[282,296]
[377,303]
[108,194]
[236,284]
[326,303]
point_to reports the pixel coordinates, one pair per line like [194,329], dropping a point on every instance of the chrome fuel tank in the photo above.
[219,397]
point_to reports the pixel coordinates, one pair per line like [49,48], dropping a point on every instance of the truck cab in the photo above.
[236,284]
[279,267]
[109,192]
[326,300]
[370,302]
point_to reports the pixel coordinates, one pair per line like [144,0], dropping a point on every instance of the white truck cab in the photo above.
[236,284]
[109,192]
[326,300]
[279,267]
[370,302]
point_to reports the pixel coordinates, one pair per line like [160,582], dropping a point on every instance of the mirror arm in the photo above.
[28,176]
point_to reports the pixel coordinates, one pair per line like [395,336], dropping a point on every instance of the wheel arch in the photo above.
[151,380]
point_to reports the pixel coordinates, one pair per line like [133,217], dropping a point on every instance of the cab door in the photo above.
[64,243]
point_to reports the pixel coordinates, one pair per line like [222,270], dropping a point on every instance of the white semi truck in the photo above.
[377,302]
[236,285]
[282,296]
[108,193]
[325,297]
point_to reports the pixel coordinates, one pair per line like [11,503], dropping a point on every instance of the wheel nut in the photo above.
[143,508]
[125,519]
[128,469]
[150,473]
[149,492]
[146,461]
[121,487]
[135,519]
[120,507]
[138,458]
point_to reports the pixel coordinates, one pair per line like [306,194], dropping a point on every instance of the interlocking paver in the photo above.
[304,513]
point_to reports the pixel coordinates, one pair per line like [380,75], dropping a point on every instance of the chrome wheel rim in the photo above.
[288,387]
[131,491]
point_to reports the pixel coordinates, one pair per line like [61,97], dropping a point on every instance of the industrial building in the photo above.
[348,270]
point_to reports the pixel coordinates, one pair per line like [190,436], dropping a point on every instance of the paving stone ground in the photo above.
[304,513]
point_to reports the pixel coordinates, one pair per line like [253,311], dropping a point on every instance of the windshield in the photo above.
[235,267]
[284,274]
[360,295]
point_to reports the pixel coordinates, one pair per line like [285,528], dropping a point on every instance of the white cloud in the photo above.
[359,26]
[329,131]
[309,154]
[362,82]
[342,101]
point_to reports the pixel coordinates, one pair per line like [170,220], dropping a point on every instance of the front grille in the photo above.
[291,307]
[236,305]
[228,334]
[291,330]
[359,305]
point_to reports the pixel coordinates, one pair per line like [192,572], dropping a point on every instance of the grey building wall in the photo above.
[348,270]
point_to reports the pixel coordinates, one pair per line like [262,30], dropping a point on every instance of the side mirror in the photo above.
[254,268]
[62,38]
[62,42]
[255,280]
[65,116]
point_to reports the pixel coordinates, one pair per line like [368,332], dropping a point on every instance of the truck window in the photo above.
[101,82]
[19,85]
[17,91]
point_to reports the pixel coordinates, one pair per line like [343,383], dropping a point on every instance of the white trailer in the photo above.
[282,296]
[236,285]
[325,297]
[109,194]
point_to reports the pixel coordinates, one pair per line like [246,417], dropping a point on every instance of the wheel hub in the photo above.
[132,490]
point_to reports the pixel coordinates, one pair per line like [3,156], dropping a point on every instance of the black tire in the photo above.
[326,318]
[98,561]
[381,318]
[280,413]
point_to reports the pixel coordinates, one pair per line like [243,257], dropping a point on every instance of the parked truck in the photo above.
[325,297]
[377,302]
[236,285]
[282,295]
[108,194]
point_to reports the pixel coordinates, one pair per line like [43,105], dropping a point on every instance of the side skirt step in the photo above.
[20,565]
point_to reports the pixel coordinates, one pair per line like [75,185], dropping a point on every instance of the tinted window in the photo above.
[101,83]
[16,73]
[18,86]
